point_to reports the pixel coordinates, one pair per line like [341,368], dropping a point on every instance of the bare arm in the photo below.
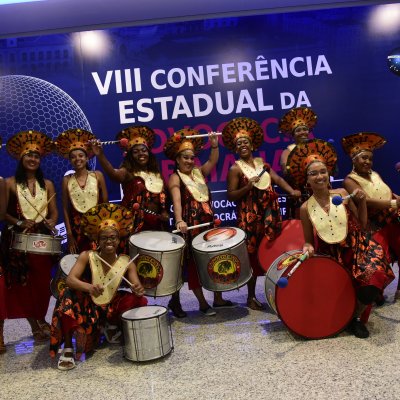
[133,278]
[74,277]
[118,175]
[175,191]
[102,186]
[52,215]
[207,167]
[283,184]
[351,185]
[283,160]
[308,230]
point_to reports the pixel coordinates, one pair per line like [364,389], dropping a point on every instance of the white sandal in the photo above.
[65,359]
[114,339]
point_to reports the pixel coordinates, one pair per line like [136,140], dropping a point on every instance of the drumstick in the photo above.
[40,212]
[109,266]
[199,135]
[283,281]
[123,142]
[216,222]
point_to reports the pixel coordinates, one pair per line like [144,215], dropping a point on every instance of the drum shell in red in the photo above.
[319,300]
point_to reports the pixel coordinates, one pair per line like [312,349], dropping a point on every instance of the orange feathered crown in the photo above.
[26,142]
[107,215]
[304,154]
[300,116]
[358,142]
[178,142]
[74,139]
[242,127]
[137,135]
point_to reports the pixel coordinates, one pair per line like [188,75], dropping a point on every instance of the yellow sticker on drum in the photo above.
[150,271]
[224,268]
[288,261]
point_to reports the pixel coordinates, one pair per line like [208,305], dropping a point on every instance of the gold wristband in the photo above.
[393,204]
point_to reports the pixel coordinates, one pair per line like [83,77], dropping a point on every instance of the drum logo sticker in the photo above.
[219,234]
[150,271]
[288,261]
[224,268]
[39,244]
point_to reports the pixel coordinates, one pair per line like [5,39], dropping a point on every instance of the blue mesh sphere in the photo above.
[31,103]
[393,60]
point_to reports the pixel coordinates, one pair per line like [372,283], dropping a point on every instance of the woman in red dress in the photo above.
[339,229]
[192,206]
[31,209]
[139,175]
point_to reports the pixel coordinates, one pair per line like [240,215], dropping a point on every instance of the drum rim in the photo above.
[181,241]
[208,230]
[145,318]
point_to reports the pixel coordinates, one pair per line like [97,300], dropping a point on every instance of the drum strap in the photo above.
[374,187]
[28,203]
[99,277]
[84,198]
[331,226]
[196,185]
[250,172]
[153,182]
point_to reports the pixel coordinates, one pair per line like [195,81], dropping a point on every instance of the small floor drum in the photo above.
[221,258]
[159,264]
[319,299]
[290,238]
[147,333]
[58,282]
[36,243]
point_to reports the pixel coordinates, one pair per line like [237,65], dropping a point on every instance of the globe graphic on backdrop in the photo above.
[28,103]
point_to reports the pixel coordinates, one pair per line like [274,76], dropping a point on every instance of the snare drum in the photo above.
[290,238]
[319,300]
[58,282]
[36,243]
[159,264]
[221,258]
[147,333]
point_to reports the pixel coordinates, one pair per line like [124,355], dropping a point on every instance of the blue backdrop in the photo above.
[201,74]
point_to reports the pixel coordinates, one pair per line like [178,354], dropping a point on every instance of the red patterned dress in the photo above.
[76,312]
[194,212]
[259,216]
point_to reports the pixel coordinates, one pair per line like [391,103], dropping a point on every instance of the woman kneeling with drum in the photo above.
[91,300]
[339,228]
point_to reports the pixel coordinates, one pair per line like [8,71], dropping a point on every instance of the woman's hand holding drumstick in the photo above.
[183,228]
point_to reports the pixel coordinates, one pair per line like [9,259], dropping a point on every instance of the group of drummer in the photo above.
[361,233]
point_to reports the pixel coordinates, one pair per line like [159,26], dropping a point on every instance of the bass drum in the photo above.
[319,300]
[290,238]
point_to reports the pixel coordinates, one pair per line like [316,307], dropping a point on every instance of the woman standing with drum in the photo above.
[140,177]
[191,199]
[383,205]
[250,182]
[339,228]
[296,124]
[31,209]
[91,300]
[82,190]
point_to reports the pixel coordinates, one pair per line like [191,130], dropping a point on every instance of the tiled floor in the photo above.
[238,354]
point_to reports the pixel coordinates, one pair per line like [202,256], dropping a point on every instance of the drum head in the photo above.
[67,262]
[157,241]
[319,300]
[146,312]
[218,239]
[291,238]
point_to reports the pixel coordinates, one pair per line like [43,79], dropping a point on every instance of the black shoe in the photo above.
[176,309]
[380,301]
[358,329]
